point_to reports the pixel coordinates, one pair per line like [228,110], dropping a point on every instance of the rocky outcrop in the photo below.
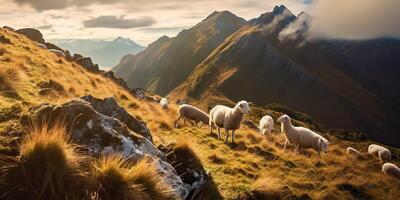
[87,63]
[101,126]
[110,74]
[110,107]
[32,34]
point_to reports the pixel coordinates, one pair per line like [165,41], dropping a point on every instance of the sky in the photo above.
[144,21]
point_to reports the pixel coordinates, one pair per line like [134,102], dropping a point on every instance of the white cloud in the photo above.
[355,19]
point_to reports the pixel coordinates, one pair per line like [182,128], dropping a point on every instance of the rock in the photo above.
[97,133]
[138,92]
[40,45]
[32,34]
[76,56]
[110,74]
[4,40]
[8,28]
[110,107]
[87,63]
[57,52]
[181,101]
[68,55]
[53,46]
[250,124]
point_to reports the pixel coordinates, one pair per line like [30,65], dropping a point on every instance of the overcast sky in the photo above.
[146,20]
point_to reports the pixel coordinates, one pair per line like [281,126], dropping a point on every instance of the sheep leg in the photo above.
[227,135]
[233,136]
[177,121]
[211,126]
[284,145]
[219,133]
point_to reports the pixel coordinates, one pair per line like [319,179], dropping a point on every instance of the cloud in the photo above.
[44,4]
[45,27]
[355,19]
[111,21]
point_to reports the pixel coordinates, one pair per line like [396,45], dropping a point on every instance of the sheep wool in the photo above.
[391,169]
[354,152]
[266,125]
[186,111]
[380,151]
[164,102]
[301,136]
[228,118]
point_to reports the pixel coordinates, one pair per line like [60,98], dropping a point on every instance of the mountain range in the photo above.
[106,53]
[350,84]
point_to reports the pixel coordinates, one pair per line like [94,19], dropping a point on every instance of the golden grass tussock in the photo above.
[119,178]
[48,167]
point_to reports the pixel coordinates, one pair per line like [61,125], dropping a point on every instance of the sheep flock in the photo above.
[230,119]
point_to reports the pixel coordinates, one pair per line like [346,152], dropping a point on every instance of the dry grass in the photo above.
[48,167]
[120,179]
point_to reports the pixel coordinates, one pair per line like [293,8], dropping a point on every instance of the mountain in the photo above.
[342,84]
[167,62]
[105,53]
[74,133]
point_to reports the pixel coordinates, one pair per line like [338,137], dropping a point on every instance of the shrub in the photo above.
[118,178]
[48,167]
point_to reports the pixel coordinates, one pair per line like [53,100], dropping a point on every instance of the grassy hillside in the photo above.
[30,76]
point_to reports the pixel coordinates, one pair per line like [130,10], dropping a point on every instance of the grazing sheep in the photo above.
[164,102]
[391,169]
[40,45]
[380,151]
[302,137]
[57,52]
[354,152]
[186,111]
[266,125]
[228,118]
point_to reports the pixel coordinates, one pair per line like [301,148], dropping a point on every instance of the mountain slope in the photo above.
[168,61]
[105,53]
[35,80]
[254,64]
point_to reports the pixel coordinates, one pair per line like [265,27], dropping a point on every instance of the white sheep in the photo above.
[391,169]
[186,111]
[354,152]
[57,52]
[164,102]
[228,118]
[40,45]
[380,151]
[266,125]
[302,137]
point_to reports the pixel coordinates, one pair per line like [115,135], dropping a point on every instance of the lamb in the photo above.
[382,152]
[164,102]
[303,137]
[391,169]
[228,118]
[40,45]
[186,111]
[354,152]
[266,125]
[57,52]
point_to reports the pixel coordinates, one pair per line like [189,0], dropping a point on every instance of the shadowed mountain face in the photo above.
[105,53]
[342,84]
[167,62]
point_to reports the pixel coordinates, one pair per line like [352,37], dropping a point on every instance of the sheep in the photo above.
[391,169]
[382,152]
[354,152]
[302,137]
[186,111]
[40,45]
[228,118]
[164,102]
[266,125]
[57,52]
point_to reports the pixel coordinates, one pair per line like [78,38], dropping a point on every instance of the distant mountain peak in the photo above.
[279,12]
[280,9]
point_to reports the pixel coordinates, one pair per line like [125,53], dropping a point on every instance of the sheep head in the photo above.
[283,119]
[243,106]
[323,145]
